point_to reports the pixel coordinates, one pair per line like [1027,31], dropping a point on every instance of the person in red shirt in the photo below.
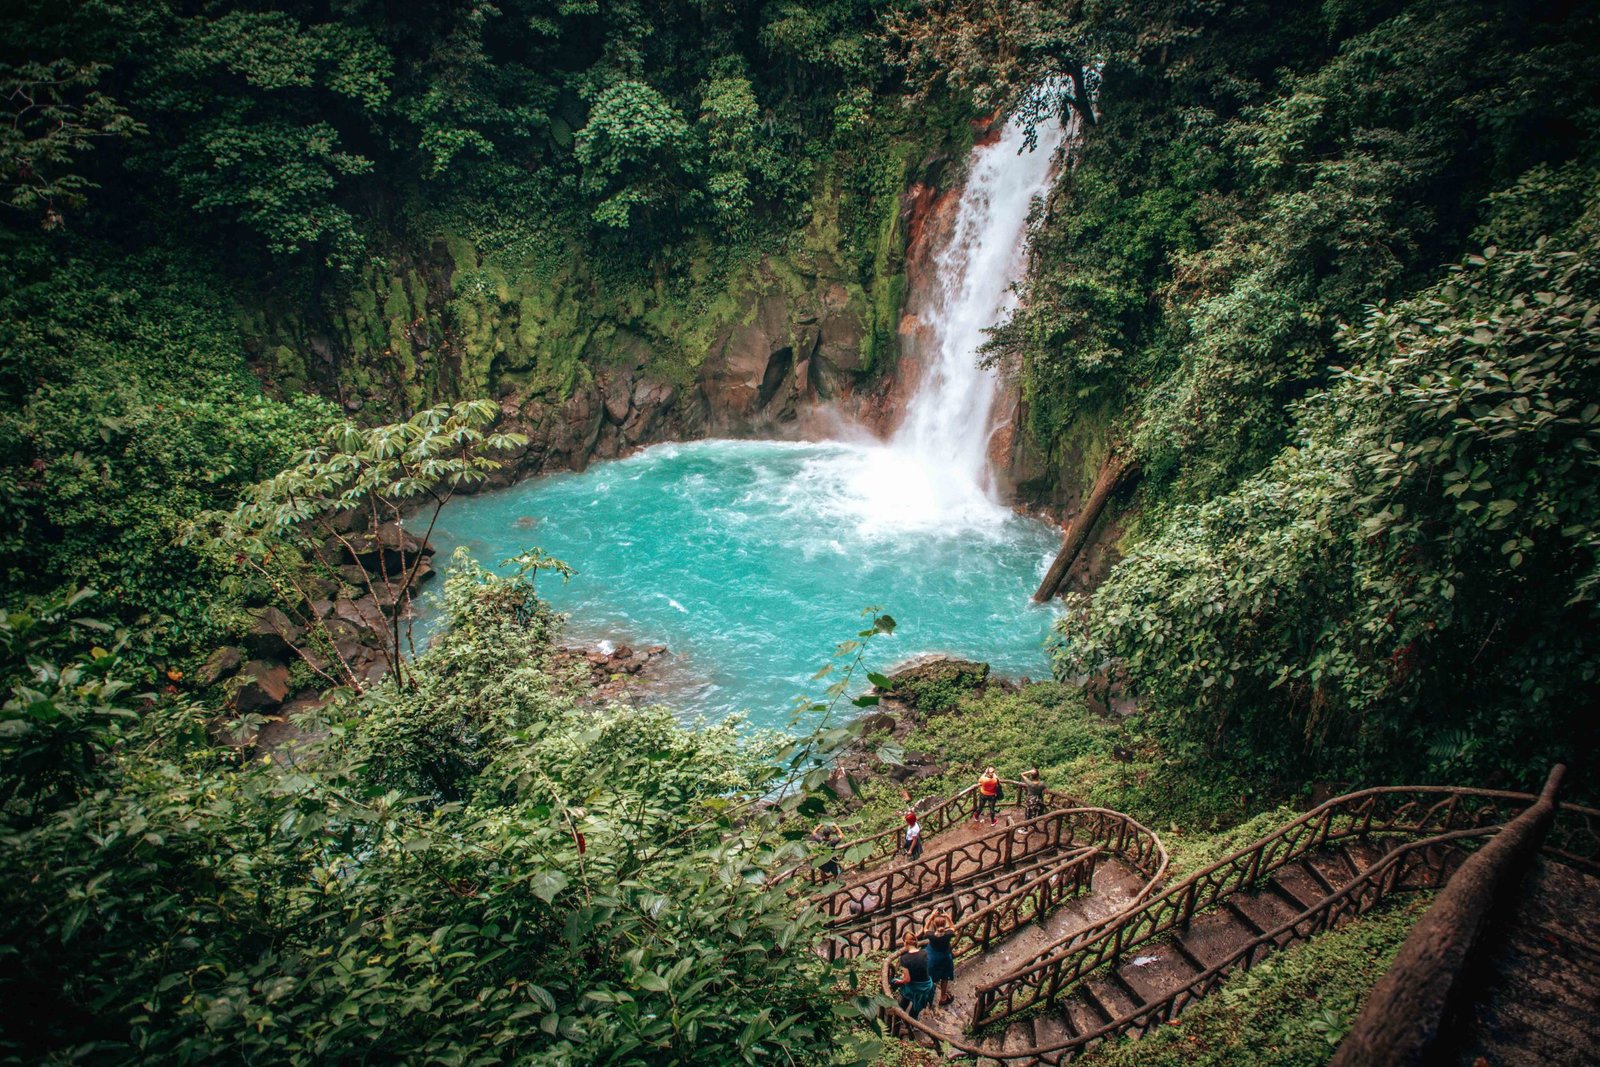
[988,796]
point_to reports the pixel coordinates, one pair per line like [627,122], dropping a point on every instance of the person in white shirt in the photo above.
[913,834]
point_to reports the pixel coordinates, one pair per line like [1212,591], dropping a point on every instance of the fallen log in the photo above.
[1113,473]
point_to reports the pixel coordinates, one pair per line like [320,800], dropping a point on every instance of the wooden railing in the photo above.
[1029,902]
[1454,820]
[1413,1013]
[1423,865]
[876,849]
[1416,866]
[1001,847]
[851,936]
[1386,811]
[1109,832]
[977,900]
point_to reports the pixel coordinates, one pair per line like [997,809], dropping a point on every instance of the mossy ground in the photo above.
[1106,761]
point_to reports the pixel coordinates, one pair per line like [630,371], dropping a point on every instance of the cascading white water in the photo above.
[934,473]
[948,420]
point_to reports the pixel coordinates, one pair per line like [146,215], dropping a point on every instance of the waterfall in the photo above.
[947,423]
[933,474]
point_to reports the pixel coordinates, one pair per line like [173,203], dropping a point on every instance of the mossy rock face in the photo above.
[937,683]
[751,334]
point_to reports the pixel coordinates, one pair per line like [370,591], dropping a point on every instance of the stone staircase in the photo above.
[1119,955]
[1155,971]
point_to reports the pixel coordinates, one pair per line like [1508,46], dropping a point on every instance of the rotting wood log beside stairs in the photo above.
[1114,472]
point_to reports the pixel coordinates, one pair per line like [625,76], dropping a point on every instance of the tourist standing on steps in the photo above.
[941,959]
[913,834]
[988,796]
[1032,794]
[916,988]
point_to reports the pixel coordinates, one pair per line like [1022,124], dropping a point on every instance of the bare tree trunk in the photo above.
[1113,472]
[1080,99]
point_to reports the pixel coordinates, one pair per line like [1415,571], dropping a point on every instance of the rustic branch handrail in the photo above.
[1003,916]
[1002,847]
[1004,906]
[1058,968]
[885,844]
[1396,872]
[982,881]
[1575,840]
[1387,876]
[916,879]
[881,930]
[1408,1018]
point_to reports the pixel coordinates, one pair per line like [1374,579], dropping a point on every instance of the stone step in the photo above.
[1266,909]
[1167,967]
[1052,1028]
[1294,890]
[1214,936]
[1113,995]
[1018,1037]
[1314,875]
[1301,881]
[1334,865]
[1231,907]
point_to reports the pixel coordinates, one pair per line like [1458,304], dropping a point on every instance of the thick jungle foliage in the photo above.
[346,499]
[475,870]
[191,197]
[291,130]
[125,412]
[1261,174]
[1417,575]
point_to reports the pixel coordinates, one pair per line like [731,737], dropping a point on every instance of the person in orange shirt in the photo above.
[988,796]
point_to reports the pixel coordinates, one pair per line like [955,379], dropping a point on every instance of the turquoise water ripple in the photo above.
[751,560]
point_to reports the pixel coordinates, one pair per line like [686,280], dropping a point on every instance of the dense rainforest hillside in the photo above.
[1316,292]
[1330,289]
